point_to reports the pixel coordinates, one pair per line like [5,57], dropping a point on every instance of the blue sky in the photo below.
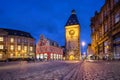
[48,17]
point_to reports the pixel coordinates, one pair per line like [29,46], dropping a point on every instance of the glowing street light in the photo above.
[83,44]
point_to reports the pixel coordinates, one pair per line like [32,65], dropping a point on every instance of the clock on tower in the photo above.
[72,36]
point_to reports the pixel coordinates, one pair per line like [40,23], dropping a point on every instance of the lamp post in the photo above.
[82,48]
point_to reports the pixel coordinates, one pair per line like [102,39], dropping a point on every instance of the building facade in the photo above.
[105,28]
[15,44]
[47,49]
[72,37]
[89,52]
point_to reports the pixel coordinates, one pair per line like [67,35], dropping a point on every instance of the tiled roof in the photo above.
[17,32]
[72,19]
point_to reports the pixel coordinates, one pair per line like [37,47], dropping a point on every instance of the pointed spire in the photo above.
[72,19]
[73,11]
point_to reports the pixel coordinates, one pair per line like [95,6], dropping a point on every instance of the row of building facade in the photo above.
[48,49]
[105,31]
[15,44]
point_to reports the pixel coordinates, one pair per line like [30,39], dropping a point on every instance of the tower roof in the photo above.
[72,19]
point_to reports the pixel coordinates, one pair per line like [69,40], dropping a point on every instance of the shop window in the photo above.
[51,55]
[45,55]
[1,38]
[54,56]
[41,56]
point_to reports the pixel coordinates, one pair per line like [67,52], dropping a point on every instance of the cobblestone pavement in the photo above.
[61,70]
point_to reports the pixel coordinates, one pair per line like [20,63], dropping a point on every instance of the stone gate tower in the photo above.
[72,36]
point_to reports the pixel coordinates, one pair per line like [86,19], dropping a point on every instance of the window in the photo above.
[93,30]
[19,48]
[105,27]
[1,38]
[11,55]
[57,56]
[18,40]
[31,48]
[45,55]
[117,17]
[0,56]
[41,56]
[51,55]
[104,14]
[25,48]
[61,57]
[116,1]
[11,47]
[11,40]
[1,46]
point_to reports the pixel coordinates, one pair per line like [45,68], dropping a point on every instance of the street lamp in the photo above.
[82,46]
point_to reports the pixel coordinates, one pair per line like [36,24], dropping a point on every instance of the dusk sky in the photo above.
[48,17]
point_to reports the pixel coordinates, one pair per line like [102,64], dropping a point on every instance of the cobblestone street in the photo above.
[60,70]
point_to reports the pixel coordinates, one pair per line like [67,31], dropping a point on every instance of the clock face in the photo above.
[71,32]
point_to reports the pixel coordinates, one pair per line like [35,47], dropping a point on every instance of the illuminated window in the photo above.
[61,56]
[11,55]
[25,48]
[31,48]
[51,55]
[1,46]
[11,47]
[11,40]
[57,56]
[41,56]
[37,56]
[1,38]
[45,55]
[19,48]
[117,17]
[54,56]
[25,54]
[0,56]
